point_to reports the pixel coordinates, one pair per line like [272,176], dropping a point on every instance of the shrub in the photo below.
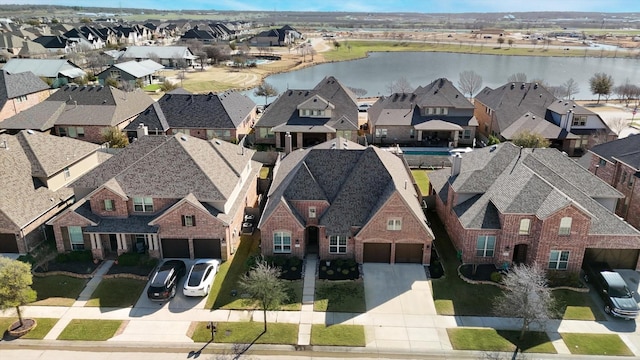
[323,268]
[129,259]
[295,261]
[496,277]
[28,258]
[345,271]
[293,268]
[339,262]
[329,272]
[75,256]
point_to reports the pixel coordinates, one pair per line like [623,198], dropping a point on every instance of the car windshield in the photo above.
[160,278]
[619,292]
[197,273]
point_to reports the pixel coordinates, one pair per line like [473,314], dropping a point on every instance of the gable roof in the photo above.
[51,68]
[625,150]
[540,182]
[538,125]
[16,85]
[137,69]
[162,52]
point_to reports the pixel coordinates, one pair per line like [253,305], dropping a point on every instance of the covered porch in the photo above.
[113,237]
[438,133]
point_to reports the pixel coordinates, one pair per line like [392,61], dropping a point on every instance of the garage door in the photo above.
[378,253]
[175,248]
[207,248]
[409,253]
[8,243]
[616,258]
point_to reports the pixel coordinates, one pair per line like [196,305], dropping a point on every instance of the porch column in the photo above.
[277,135]
[95,240]
[299,137]
[419,135]
[122,242]
[455,138]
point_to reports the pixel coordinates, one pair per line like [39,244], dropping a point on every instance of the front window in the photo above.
[346,134]
[558,260]
[338,245]
[624,177]
[76,238]
[143,204]
[565,226]
[486,245]
[602,163]
[108,205]
[579,120]
[281,242]
[394,224]
[266,133]
[188,220]
[22,98]
[381,132]
[525,224]
[312,212]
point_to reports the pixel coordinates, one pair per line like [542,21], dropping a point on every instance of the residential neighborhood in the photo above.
[205,185]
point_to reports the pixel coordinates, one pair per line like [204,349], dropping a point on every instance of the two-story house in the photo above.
[19,92]
[227,116]
[434,115]
[311,117]
[506,205]
[36,168]
[618,163]
[339,199]
[515,108]
[168,196]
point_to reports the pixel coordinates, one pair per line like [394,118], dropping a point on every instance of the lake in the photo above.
[376,72]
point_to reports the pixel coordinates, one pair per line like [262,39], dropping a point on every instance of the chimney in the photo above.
[456,164]
[287,143]
[569,120]
[142,130]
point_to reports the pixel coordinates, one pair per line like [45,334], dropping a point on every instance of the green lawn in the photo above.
[57,290]
[340,296]
[117,292]
[499,340]
[574,305]
[152,87]
[422,179]
[43,326]
[596,344]
[90,330]
[294,302]
[338,335]
[248,332]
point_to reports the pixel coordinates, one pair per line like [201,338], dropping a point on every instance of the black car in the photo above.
[618,300]
[164,281]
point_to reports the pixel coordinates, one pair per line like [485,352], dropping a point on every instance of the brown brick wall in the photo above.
[13,107]
[606,172]
[303,209]
[69,218]
[159,205]
[119,204]
[282,220]
[483,118]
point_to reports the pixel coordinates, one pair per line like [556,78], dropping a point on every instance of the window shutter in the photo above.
[183,221]
[193,220]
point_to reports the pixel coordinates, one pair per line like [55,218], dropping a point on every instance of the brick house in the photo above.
[339,200]
[435,115]
[314,116]
[513,108]
[505,205]
[618,163]
[19,92]
[228,116]
[36,170]
[169,196]
[82,112]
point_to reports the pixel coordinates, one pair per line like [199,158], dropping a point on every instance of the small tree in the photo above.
[267,90]
[115,137]
[601,84]
[572,88]
[500,41]
[15,285]
[510,42]
[529,139]
[618,124]
[263,284]
[493,140]
[359,92]
[167,86]
[526,296]
[401,85]
[517,77]
[470,82]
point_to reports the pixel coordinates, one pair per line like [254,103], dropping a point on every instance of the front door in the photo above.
[520,254]
[113,243]
[312,240]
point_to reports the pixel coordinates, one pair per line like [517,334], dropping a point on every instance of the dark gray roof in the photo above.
[199,111]
[538,125]
[109,225]
[538,182]
[16,85]
[626,150]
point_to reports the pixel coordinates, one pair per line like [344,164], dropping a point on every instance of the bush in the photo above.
[329,272]
[561,278]
[28,258]
[168,86]
[75,256]
[496,277]
[129,259]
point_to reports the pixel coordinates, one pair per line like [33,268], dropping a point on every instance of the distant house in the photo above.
[58,71]
[131,72]
[310,117]
[19,92]
[37,169]
[618,163]
[169,56]
[283,36]
[506,205]
[227,116]
[513,108]
[82,112]
[435,115]
[166,196]
[61,44]
[340,199]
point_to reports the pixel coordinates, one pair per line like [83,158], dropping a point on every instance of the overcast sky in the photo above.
[428,6]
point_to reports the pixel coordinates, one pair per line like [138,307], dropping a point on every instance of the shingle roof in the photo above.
[626,150]
[538,125]
[528,181]
[27,156]
[138,69]
[199,111]
[50,68]
[16,85]
[162,52]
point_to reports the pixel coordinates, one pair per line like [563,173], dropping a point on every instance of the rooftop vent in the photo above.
[513,85]
[29,131]
[493,148]
[183,138]
[217,142]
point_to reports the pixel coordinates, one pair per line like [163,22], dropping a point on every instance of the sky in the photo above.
[426,6]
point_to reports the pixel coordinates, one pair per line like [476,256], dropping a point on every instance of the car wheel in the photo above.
[607,309]
[173,293]
[207,292]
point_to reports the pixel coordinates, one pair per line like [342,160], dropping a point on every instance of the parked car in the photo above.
[201,277]
[364,107]
[249,218]
[618,299]
[164,281]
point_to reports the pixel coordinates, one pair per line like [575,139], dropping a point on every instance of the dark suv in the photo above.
[164,281]
[618,300]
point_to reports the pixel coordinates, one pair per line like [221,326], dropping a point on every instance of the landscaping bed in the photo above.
[338,269]
[75,262]
[436,271]
[132,263]
[290,266]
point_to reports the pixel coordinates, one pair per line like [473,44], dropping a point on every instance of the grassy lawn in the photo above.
[294,302]
[577,306]
[248,332]
[499,340]
[152,87]
[90,330]
[337,335]
[339,296]
[596,344]
[57,290]
[118,292]
[43,327]
[422,179]
[264,172]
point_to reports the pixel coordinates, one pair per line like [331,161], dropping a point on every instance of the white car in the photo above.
[201,277]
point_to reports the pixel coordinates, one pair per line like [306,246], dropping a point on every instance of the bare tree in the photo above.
[401,85]
[470,82]
[526,296]
[517,77]
[572,88]
[617,125]
[359,92]
[267,90]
